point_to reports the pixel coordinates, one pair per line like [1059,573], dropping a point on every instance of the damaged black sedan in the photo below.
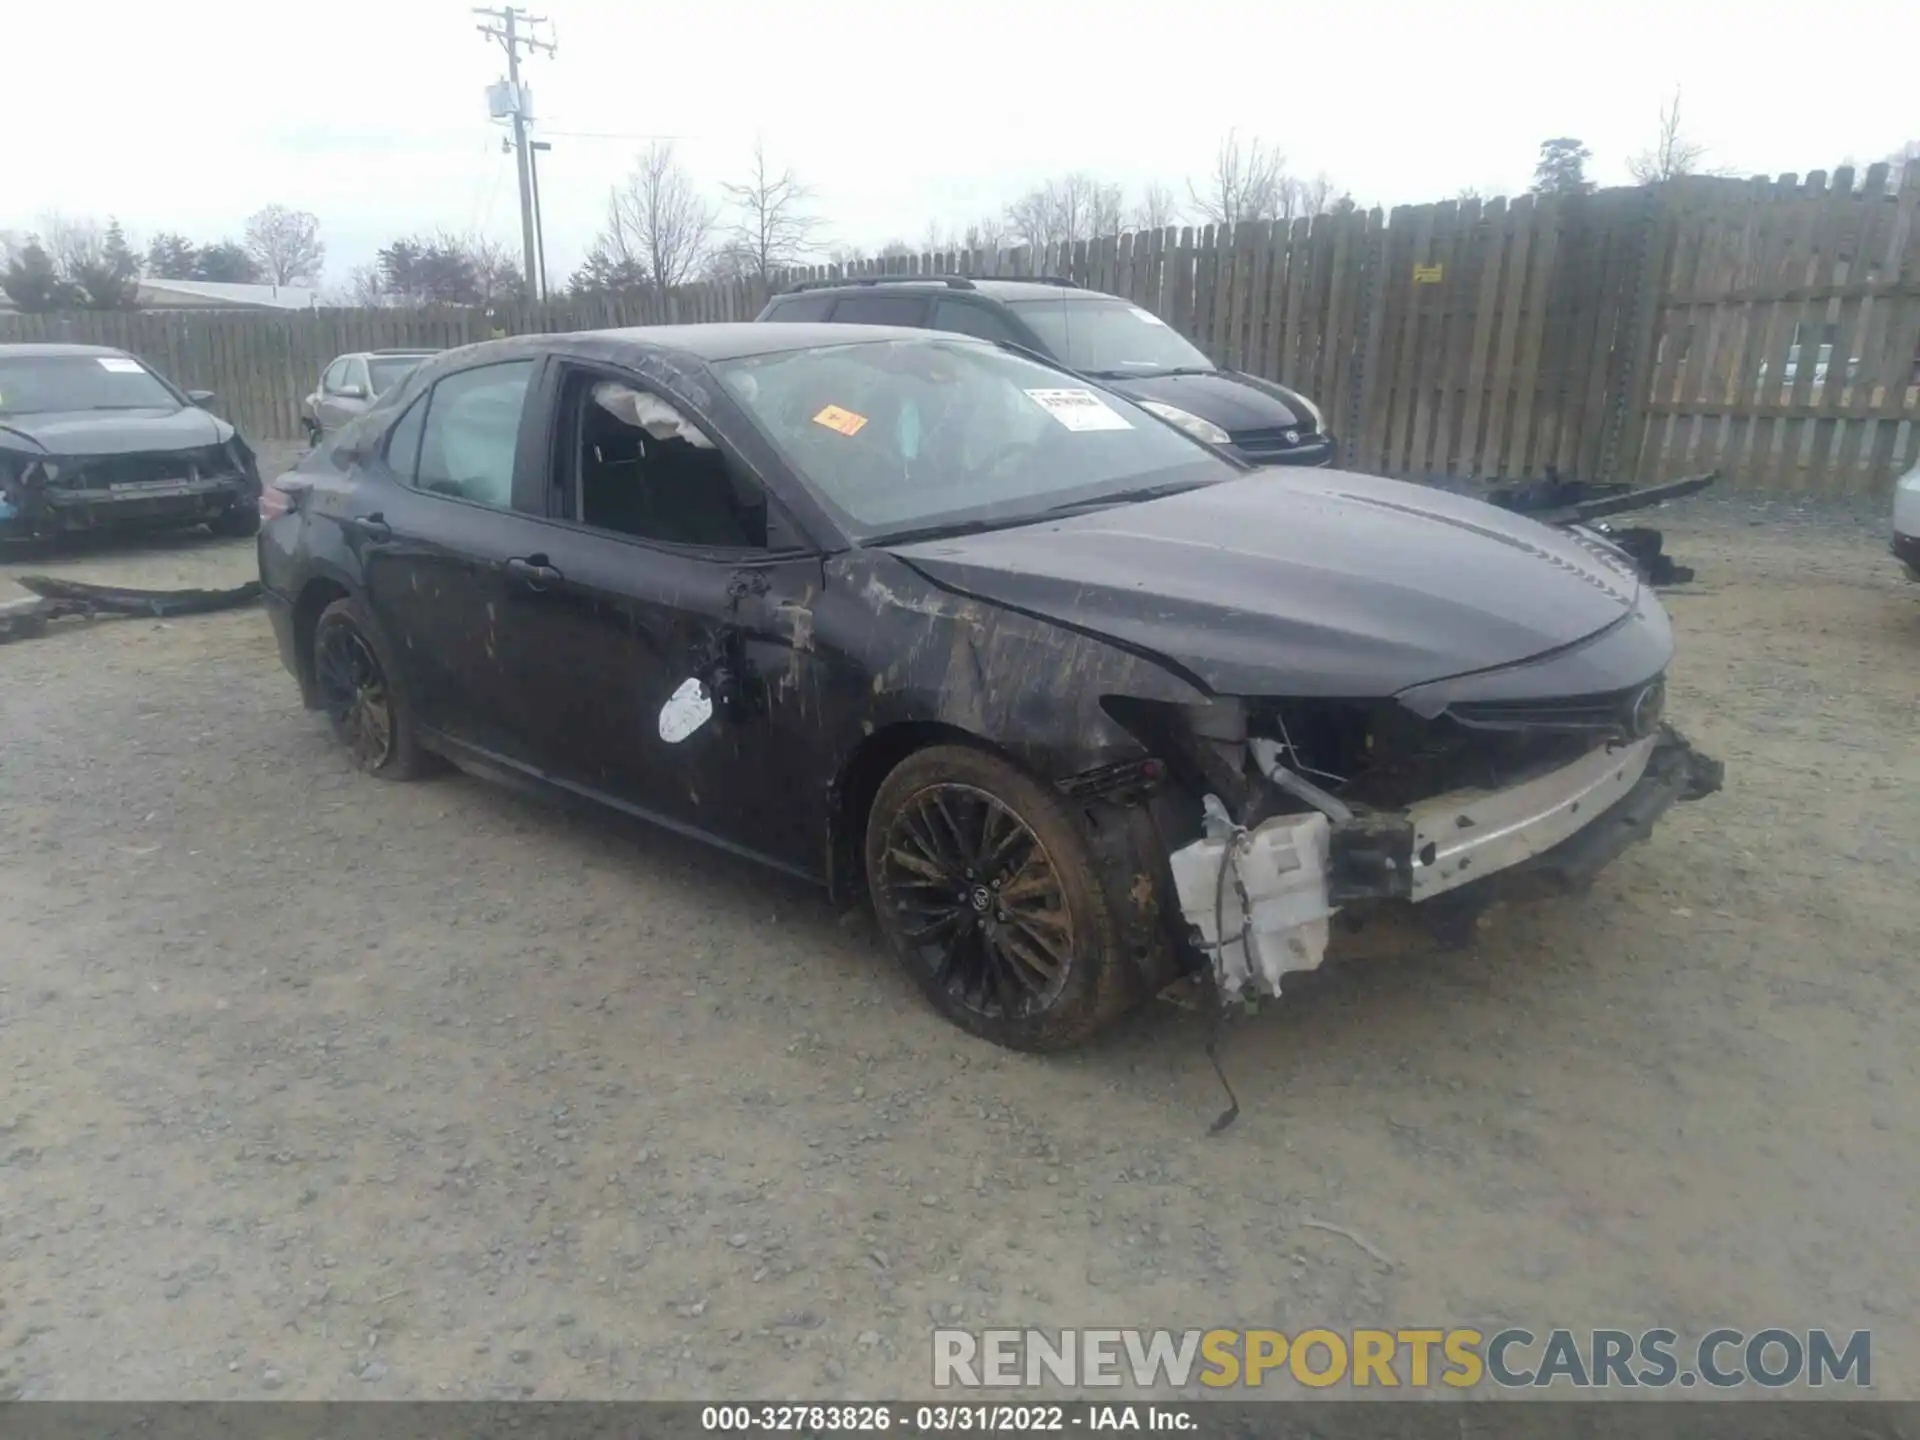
[1083,707]
[92,439]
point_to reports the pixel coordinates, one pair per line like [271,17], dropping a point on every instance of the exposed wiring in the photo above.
[1217,1032]
[1293,752]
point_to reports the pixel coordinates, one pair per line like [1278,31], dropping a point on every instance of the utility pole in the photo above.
[505,25]
[534,149]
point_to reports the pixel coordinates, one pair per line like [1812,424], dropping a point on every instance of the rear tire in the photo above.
[983,887]
[364,695]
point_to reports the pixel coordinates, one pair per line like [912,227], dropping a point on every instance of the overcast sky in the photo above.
[371,113]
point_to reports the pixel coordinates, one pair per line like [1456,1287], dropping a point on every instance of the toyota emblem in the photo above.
[1292,437]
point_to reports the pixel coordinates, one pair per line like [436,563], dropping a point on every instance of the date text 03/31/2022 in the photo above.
[945,1419]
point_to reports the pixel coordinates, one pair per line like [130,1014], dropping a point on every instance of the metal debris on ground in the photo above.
[54,599]
[1585,504]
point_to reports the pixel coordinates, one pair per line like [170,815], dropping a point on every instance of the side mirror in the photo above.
[202,398]
[354,392]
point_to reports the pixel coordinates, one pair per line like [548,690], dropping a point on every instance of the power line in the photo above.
[505,25]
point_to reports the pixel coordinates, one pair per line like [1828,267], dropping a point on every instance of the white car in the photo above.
[1906,520]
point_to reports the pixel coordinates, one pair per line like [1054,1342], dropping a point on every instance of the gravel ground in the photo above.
[320,1087]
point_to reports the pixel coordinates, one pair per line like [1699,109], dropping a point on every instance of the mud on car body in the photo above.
[1058,688]
[92,439]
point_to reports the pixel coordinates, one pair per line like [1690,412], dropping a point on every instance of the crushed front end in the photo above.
[48,495]
[1312,809]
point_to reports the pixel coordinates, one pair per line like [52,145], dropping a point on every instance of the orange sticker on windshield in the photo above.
[845,421]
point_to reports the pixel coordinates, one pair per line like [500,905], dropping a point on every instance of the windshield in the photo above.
[388,371]
[1110,337]
[910,435]
[30,383]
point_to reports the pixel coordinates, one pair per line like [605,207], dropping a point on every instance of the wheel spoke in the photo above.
[1029,882]
[955,833]
[923,871]
[1034,957]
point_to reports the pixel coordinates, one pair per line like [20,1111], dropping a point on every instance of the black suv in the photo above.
[1127,349]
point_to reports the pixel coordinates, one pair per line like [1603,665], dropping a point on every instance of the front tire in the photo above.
[982,884]
[364,698]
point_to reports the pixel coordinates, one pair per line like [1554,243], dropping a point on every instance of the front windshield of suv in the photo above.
[387,371]
[1110,337]
[39,384]
[910,436]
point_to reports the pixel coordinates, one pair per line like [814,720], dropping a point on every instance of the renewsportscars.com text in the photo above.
[1419,1358]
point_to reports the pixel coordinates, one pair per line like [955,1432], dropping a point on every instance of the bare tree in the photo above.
[776,227]
[1157,208]
[987,233]
[287,245]
[1672,154]
[1303,199]
[1064,211]
[658,221]
[1246,183]
[364,290]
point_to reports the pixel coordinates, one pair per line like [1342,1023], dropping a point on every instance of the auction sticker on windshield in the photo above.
[844,421]
[1079,409]
[120,365]
[1148,316]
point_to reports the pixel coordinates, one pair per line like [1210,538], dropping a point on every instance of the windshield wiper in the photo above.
[1126,497]
[951,529]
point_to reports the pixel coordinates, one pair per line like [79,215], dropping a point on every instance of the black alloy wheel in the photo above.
[982,883]
[354,694]
[980,901]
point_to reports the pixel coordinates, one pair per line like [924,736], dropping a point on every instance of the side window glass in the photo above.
[357,374]
[331,380]
[403,441]
[803,308]
[965,319]
[881,310]
[645,470]
[472,433]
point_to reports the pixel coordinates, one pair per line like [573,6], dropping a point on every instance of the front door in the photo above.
[669,649]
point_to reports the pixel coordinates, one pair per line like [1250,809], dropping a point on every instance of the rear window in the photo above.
[881,310]
[389,370]
[1110,337]
[802,308]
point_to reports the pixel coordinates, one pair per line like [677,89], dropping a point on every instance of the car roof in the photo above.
[49,351]
[992,287]
[734,340]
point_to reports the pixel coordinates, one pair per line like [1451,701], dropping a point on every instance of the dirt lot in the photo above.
[320,1087]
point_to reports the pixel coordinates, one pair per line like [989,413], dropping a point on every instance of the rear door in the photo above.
[447,508]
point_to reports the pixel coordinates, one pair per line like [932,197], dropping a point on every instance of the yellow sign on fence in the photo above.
[1427,274]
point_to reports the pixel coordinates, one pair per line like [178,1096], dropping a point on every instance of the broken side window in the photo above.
[644,469]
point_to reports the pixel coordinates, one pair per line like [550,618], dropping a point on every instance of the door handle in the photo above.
[533,571]
[373,527]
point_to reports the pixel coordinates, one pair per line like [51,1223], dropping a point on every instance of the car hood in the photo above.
[116,432]
[1233,401]
[1321,583]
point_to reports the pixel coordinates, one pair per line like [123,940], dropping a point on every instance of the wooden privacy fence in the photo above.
[1634,333]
